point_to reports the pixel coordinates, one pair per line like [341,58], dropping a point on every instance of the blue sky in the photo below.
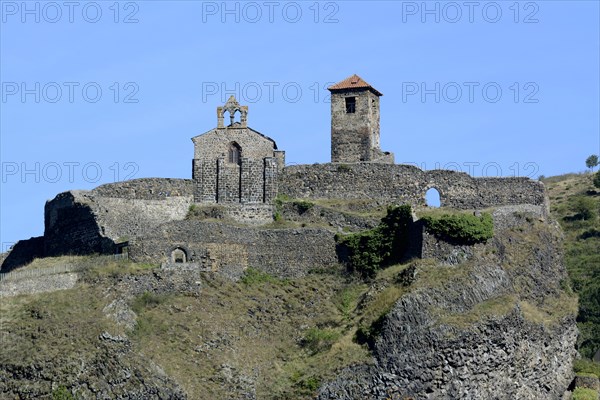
[95,92]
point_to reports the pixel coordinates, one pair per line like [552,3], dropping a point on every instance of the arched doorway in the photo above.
[178,256]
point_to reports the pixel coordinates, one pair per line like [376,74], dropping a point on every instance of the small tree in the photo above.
[597,180]
[591,161]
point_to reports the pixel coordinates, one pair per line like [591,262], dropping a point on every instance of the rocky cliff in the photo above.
[496,326]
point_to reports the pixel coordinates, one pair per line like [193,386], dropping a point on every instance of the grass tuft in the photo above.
[585,394]
[317,340]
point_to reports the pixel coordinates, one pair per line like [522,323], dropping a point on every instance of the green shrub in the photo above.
[311,383]
[253,276]
[461,228]
[317,340]
[344,168]
[584,366]
[61,393]
[585,207]
[367,251]
[381,246]
[303,205]
[585,394]
[193,211]
[280,199]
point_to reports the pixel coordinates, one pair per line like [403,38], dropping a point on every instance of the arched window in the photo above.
[235,153]
[234,116]
[432,198]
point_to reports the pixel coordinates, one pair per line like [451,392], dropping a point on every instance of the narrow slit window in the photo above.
[350,105]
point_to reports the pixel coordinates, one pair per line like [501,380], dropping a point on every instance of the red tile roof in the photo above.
[353,82]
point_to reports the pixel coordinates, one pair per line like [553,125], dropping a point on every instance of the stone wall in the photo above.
[235,164]
[38,284]
[215,143]
[250,181]
[125,218]
[293,252]
[326,216]
[204,173]
[282,252]
[147,189]
[23,252]
[271,177]
[84,222]
[248,214]
[505,218]
[407,184]
[70,226]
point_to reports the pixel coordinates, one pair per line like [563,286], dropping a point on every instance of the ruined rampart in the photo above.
[84,222]
[147,189]
[407,184]
[151,214]
[221,247]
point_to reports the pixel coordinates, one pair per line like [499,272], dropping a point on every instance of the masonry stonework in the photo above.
[214,221]
[282,252]
[233,164]
[355,123]
[406,184]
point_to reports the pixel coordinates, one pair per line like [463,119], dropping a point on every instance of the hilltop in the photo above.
[260,280]
[482,318]
[575,204]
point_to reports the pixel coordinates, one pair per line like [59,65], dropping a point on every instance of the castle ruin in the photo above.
[237,175]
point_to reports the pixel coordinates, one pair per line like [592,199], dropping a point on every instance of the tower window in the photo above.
[350,105]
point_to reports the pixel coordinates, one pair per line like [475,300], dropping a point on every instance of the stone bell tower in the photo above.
[355,123]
